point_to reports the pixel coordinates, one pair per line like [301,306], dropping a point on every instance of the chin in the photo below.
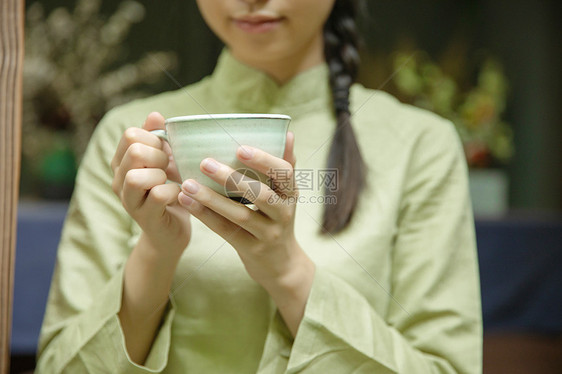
[265,52]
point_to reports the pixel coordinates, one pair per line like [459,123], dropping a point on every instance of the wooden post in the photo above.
[11,70]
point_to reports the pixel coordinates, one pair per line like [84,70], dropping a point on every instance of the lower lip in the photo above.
[257,27]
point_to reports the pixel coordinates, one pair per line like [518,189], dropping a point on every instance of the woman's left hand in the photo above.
[264,239]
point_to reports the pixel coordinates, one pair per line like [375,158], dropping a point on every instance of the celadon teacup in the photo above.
[196,137]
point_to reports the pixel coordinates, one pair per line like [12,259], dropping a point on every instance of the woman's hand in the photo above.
[265,239]
[142,164]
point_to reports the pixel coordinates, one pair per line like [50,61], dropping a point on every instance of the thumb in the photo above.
[289,155]
[154,121]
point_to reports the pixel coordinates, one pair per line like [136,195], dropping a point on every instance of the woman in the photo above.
[383,281]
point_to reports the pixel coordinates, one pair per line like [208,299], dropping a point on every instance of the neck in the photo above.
[282,70]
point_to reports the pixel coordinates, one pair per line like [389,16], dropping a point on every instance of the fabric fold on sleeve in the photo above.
[340,332]
[93,341]
[333,335]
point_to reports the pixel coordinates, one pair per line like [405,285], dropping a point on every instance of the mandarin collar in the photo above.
[246,89]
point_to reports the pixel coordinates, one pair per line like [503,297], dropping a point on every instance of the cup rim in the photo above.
[222,116]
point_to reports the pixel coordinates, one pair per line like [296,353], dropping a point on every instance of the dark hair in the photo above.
[341,41]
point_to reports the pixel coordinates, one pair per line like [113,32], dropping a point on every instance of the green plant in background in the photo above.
[74,72]
[476,110]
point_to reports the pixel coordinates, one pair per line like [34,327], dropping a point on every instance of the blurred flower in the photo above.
[74,73]
[476,110]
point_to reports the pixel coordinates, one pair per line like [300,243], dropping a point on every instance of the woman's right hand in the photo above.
[141,166]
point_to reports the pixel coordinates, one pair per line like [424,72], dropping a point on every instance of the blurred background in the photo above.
[493,67]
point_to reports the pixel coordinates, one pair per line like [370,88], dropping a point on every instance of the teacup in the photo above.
[194,138]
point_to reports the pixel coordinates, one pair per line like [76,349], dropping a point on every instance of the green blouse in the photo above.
[396,292]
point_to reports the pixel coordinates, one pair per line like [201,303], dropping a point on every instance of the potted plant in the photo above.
[474,99]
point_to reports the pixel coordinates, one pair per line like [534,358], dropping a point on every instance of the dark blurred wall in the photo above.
[525,34]
[171,25]
[176,25]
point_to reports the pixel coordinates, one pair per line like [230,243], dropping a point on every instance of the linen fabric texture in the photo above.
[395,292]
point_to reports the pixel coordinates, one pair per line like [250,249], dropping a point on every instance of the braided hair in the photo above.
[341,41]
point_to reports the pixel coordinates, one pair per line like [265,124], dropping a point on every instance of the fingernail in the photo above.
[185,200]
[190,187]
[246,152]
[210,165]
